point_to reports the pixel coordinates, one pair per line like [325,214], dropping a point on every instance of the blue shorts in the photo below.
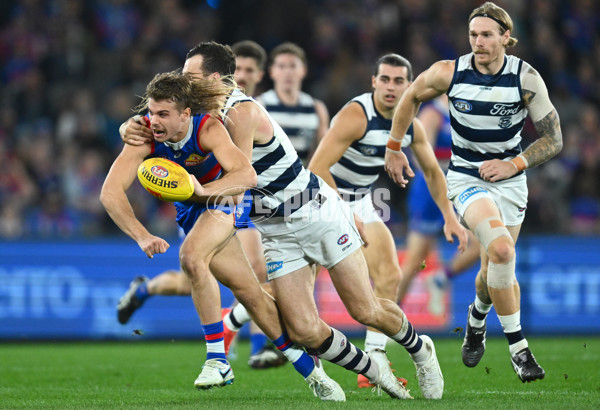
[423,213]
[242,213]
[188,213]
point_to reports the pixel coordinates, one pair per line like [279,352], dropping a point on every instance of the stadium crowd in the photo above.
[70,72]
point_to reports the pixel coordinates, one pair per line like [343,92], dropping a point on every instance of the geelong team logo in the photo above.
[159,171]
[463,106]
[343,239]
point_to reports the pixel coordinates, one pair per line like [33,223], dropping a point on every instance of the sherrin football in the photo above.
[165,179]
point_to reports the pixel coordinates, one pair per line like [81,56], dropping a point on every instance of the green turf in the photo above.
[140,374]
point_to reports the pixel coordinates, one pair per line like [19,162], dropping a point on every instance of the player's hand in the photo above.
[396,165]
[152,245]
[199,190]
[496,170]
[454,228]
[361,229]
[135,131]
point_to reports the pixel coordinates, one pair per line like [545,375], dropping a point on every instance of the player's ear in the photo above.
[373,81]
[186,114]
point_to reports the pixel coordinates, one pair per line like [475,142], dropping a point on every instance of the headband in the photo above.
[496,19]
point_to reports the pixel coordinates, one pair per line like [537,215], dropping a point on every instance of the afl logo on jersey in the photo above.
[343,239]
[368,150]
[159,171]
[463,106]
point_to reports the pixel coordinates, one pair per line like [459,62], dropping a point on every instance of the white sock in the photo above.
[512,324]
[375,340]
[240,315]
[481,307]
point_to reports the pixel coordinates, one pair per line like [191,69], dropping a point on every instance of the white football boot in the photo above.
[214,374]
[323,386]
[431,380]
[386,380]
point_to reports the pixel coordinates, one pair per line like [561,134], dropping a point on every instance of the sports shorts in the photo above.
[326,238]
[510,195]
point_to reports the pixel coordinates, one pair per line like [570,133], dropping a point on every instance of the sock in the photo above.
[375,340]
[141,293]
[237,318]
[339,350]
[478,313]
[511,325]
[411,341]
[215,347]
[257,342]
[301,361]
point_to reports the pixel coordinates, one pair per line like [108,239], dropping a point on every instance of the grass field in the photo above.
[140,374]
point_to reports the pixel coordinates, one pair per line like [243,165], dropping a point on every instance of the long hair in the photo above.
[497,13]
[199,94]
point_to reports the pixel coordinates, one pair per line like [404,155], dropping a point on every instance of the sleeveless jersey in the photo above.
[487,114]
[189,154]
[300,122]
[360,165]
[284,186]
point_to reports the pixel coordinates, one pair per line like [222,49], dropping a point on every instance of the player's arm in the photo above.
[114,199]
[135,131]
[547,124]
[347,126]
[238,176]
[428,85]
[243,122]
[436,183]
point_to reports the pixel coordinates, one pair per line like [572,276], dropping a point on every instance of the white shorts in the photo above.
[510,196]
[325,240]
[365,210]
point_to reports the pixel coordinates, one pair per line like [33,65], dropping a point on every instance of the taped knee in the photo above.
[489,229]
[501,276]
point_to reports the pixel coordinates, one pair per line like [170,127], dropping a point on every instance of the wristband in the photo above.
[519,163]
[393,145]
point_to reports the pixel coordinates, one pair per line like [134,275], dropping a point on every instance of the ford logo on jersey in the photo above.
[343,239]
[273,266]
[463,106]
[159,171]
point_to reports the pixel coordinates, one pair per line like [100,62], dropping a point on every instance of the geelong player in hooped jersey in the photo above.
[350,158]
[201,144]
[490,95]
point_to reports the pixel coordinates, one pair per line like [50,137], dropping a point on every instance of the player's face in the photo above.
[247,74]
[166,121]
[193,66]
[487,43]
[288,71]
[388,86]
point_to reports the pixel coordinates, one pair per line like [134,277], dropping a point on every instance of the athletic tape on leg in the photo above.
[501,276]
[489,229]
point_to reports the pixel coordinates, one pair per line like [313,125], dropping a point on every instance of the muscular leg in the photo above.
[385,273]
[171,282]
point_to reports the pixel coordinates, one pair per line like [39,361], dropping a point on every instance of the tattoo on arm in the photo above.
[549,142]
[528,96]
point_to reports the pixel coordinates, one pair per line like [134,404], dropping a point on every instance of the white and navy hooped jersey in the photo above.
[300,122]
[284,185]
[360,166]
[487,114]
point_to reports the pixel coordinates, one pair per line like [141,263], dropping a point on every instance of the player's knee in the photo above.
[193,267]
[501,250]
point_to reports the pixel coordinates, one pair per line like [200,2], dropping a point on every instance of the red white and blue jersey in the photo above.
[198,162]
